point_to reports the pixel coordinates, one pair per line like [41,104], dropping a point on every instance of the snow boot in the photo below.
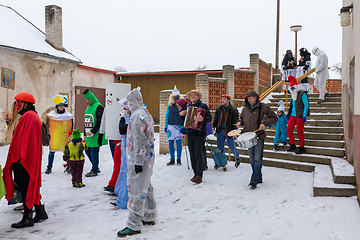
[48,170]
[127,232]
[292,148]
[237,162]
[301,150]
[148,222]
[252,185]
[172,162]
[109,188]
[80,185]
[26,221]
[40,213]
[178,161]
[275,147]
[320,101]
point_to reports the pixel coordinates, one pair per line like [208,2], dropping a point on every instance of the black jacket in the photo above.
[233,116]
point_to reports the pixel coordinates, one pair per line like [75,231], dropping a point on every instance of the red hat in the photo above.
[292,80]
[25,97]
[226,96]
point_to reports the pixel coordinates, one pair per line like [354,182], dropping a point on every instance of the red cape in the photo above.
[26,145]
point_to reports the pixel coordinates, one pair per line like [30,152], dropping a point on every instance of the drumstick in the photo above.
[256,130]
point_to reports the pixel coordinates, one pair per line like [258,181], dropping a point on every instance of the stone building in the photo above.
[36,61]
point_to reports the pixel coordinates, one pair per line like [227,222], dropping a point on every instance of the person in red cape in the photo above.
[24,160]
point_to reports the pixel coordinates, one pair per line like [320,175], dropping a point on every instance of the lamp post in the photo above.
[295,29]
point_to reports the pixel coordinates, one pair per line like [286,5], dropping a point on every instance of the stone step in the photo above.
[324,123]
[326,151]
[314,136]
[311,99]
[316,129]
[318,109]
[311,95]
[312,104]
[322,116]
[311,142]
[289,156]
[343,171]
[324,185]
[279,163]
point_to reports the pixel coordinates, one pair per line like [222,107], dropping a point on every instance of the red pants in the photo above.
[299,129]
[117,163]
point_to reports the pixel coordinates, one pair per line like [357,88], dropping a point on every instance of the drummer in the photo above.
[252,119]
[225,118]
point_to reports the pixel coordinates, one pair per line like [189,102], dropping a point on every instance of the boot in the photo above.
[292,148]
[301,150]
[178,161]
[48,170]
[275,147]
[127,232]
[40,213]
[172,162]
[26,221]
[237,162]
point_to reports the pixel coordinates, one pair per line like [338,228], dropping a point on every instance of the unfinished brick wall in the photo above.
[244,81]
[332,86]
[217,87]
[264,70]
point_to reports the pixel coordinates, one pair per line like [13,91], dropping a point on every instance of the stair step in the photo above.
[313,103]
[312,142]
[328,100]
[322,116]
[279,163]
[343,171]
[318,109]
[316,129]
[311,95]
[324,123]
[324,184]
[314,136]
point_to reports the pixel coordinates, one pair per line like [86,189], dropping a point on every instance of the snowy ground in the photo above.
[222,207]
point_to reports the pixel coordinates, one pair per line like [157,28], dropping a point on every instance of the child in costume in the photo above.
[60,124]
[74,154]
[281,126]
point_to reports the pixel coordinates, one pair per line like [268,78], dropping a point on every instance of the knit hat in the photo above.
[281,106]
[226,96]
[175,91]
[292,80]
[181,102]
[76,134]
[60,99]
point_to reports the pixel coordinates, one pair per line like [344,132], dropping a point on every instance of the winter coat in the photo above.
[288,63]
[231,119]
[172,116]
[321,66]
[207,118]
[250,116]
[304,66]
[75,150]
[281,129]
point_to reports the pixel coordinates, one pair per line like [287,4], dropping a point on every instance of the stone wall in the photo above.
[164,100]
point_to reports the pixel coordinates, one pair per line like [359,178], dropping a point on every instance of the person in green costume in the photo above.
[93,139]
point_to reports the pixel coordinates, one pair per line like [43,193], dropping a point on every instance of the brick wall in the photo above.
[244,81]
[164,100]
[264,70]
[332,86]
[53,26]
[217,87]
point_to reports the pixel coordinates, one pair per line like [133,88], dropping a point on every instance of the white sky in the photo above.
[167,35]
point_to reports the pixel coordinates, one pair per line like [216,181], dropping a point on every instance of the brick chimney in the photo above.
[53,26]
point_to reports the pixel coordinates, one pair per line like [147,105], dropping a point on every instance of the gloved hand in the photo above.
[165,129]
[138,169]
[100,138]
[284,68]
[288,117]
[304,119]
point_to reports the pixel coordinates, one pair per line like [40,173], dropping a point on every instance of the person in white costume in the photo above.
[60,125]
[140,160]
[321,70]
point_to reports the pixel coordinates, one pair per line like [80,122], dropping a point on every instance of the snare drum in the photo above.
[247,140]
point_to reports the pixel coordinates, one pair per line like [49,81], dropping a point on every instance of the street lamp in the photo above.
[295,29]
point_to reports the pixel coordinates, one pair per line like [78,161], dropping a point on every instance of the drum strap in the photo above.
[259,116]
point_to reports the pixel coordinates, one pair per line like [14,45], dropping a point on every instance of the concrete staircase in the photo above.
[324,147]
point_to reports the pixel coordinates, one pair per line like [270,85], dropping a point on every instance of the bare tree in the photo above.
[120,69]
[201,68]
[337,67]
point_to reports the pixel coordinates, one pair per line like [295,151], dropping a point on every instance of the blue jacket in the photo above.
[172,116]
[281,126]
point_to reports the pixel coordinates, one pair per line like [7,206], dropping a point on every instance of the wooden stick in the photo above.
[7,100]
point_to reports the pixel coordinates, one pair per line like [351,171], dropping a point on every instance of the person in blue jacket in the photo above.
[281,125]
[173,127]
